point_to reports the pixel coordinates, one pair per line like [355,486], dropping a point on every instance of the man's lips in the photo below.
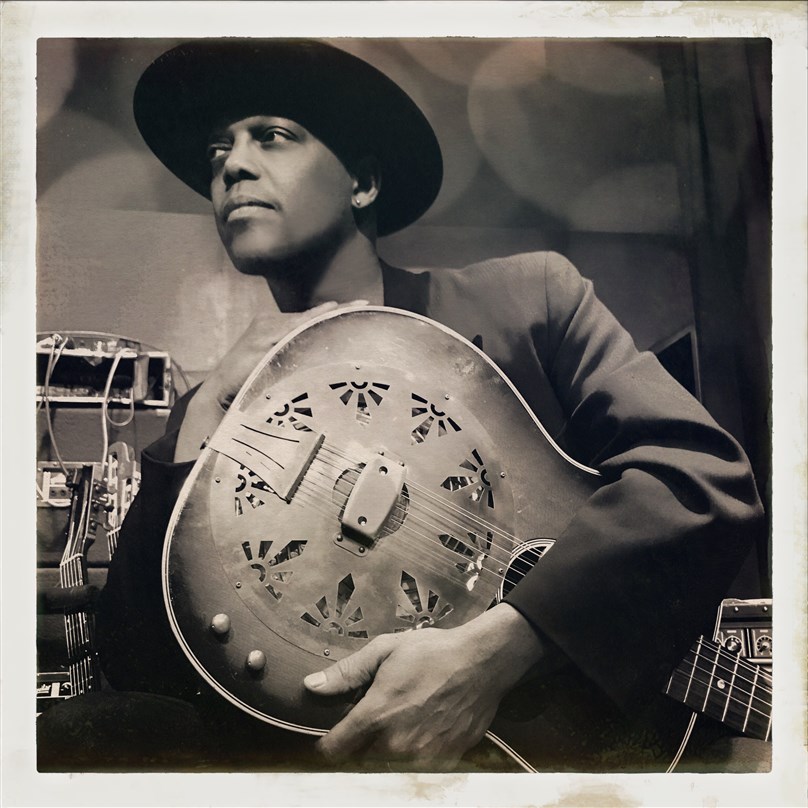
[244,202]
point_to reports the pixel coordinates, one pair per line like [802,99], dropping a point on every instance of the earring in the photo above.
[357,203]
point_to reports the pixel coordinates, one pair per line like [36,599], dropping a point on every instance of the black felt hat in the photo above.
[346,103]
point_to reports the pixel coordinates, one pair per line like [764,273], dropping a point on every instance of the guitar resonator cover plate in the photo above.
[376,474]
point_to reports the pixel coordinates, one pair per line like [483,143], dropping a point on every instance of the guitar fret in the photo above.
[722,692]
[675,687]
[758,722]
[693,671]
[730,689]
[751,698]
[708,688]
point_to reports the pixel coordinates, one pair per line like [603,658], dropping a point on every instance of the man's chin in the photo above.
[253,267]
[258,260]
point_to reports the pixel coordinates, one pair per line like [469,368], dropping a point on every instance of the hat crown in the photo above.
[349,105]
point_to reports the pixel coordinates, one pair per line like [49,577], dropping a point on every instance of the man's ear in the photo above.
[366,182]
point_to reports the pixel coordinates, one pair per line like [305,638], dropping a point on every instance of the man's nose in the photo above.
[240,163]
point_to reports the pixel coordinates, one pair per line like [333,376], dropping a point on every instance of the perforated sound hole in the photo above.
[473,551]
[249,492]
[419,611]
[430,420]
[336,614]
[477,480]
[265,567]
[361,395]
[295,412]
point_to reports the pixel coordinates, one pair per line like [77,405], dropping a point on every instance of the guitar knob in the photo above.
[256,661]
[220,624]
[733,645]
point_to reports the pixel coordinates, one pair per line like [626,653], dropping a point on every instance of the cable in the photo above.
[52,360]
[104,408]
[47,375]
[683,744]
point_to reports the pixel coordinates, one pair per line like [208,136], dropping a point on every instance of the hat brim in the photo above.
[346,103]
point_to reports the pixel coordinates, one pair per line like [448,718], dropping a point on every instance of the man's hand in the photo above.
[211,401]
[433,693]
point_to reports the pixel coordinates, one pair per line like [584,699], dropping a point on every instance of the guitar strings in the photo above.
[432,550]
[76,629]
[721,656]
[445,505]
[679,674]
[748,703]
[450,509]
[430,495]
[412,513]
[430,556]
[764,684]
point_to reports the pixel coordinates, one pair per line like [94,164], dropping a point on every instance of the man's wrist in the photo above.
[509,642]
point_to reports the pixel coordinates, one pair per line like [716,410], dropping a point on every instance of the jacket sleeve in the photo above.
[640,570]
[137,648]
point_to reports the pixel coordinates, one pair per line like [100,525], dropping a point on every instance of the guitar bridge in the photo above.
[372,500]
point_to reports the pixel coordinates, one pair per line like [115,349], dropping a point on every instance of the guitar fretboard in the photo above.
[85,673]
[713,681]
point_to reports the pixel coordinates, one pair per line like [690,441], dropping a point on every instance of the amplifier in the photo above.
[745,628]
[86,369]
[78,432]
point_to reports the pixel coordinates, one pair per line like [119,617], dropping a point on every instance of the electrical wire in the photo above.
[683,745]
[105,418]
[52,360]
[47,375]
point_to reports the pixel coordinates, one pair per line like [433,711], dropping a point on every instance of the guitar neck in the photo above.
[85,672]
[721,684]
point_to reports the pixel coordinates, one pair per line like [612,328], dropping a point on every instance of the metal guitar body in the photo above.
[377,473]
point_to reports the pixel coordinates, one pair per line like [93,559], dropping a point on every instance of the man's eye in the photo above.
[217,150]
[275,135]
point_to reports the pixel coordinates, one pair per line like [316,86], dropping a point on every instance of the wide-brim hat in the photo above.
[342,100]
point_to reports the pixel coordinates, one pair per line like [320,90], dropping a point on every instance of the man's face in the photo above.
[277,191]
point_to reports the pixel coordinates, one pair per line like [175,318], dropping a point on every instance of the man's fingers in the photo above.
[350,736]
[353,671]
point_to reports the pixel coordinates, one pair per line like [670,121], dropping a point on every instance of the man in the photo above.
[308,154]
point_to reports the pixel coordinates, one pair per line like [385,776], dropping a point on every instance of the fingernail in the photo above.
[315,680]
[359,303]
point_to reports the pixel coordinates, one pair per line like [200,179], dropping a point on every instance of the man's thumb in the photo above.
[353,672]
